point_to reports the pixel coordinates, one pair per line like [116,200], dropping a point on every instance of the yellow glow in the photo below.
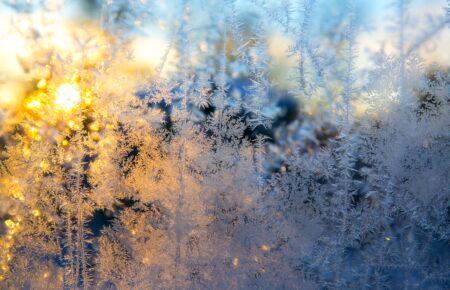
[35,212]
[265,248]
[71,124]
[94,127]
[9,223]
[68,158]
[18,195]
[34,133]
[95,136]
[41,84]
[11,94]
[87,98]
[67,97]
[44,165]
[34,104]
[5,268]
[235,262]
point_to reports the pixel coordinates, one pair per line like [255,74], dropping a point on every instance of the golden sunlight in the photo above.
[67,97]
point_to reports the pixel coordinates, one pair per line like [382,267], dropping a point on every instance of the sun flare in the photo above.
[67,97]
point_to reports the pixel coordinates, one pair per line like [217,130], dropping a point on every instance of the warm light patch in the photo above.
[95,127]
[87,98]
[150,50]
[235,262]
[67,97]
[18,195]
[34,133]
[34,104]
[44,165]
[9,223]
[41,84]
[71,124]
[6,100]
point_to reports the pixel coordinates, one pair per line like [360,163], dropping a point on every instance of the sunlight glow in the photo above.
[67,97]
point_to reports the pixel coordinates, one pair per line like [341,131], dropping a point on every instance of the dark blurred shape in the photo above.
[326,132]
